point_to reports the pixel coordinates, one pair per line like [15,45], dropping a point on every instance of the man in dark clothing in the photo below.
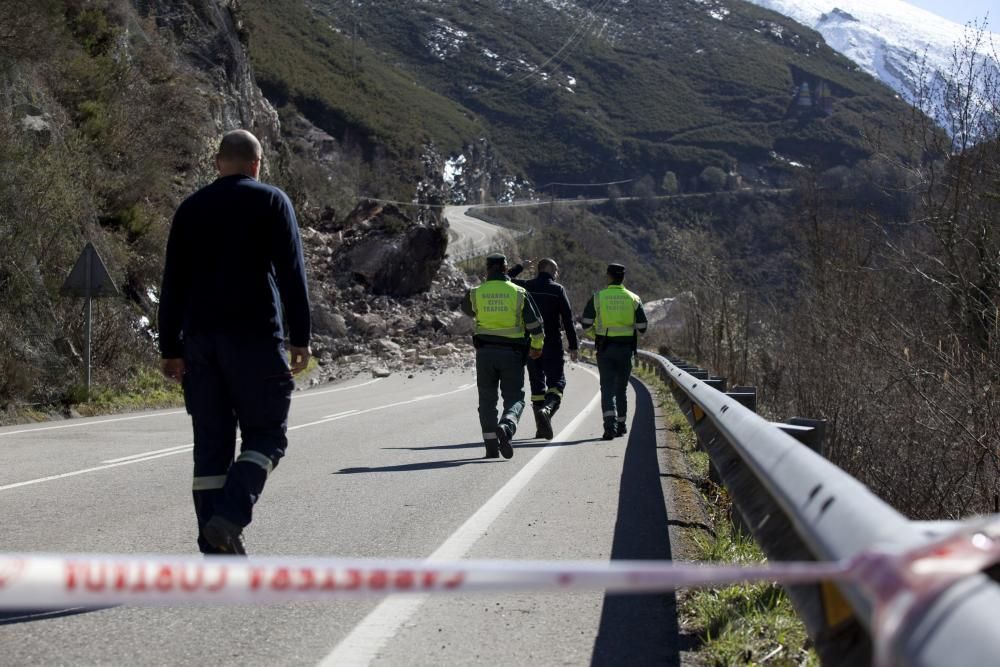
[547,374]
[618,318]
[234,256]
[508,330]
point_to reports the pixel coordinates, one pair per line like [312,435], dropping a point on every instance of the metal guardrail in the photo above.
[799,506]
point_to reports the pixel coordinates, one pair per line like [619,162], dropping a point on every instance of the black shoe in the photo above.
[225,536]
[610,430]
[503,440]
[543,423]
[492,451]
[552,403]
[620,428]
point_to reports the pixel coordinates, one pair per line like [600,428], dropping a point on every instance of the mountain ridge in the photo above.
[574,90]
[908,48]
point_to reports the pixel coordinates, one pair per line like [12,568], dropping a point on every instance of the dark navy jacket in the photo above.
[233,257]
[553,303]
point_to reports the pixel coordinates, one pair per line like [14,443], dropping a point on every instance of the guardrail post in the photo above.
[745,396]
[717,383]
[810,432]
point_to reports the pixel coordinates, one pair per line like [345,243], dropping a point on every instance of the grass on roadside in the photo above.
[145,389]
[748,624]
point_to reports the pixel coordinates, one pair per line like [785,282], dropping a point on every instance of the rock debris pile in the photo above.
[385,298]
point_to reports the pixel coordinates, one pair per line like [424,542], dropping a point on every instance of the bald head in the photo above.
[548,265]
[239,153]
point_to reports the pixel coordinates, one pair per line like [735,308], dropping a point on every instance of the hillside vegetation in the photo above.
[98,132]
[576,91]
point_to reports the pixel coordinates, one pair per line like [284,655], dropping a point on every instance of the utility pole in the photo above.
[354,45]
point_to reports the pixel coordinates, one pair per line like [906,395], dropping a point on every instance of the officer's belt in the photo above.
[502,346]
[616,340]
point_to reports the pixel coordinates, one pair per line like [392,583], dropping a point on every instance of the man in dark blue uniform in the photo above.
[234,256]
[547,374]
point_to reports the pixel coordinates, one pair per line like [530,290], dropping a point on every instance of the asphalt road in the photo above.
[471,236]
[375,468]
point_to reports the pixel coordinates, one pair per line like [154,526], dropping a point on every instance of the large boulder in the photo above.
[390,253]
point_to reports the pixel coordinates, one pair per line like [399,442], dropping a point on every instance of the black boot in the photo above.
[550,406]
[543,423]
[505,431]
[225,536]
[535,407]
[610,430]
[620,428]
[492,449]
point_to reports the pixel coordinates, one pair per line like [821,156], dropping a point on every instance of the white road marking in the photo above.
[384,407]
[170,413]
[363,643]
[175,449]
[310,394]
[100,421]
[338,415]
[74,473]
[181,449]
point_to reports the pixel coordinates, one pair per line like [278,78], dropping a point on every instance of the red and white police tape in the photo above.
[899,584]
[48,580]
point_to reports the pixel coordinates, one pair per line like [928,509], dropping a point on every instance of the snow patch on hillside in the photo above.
[903,46]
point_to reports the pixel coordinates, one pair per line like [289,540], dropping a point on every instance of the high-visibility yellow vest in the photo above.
[499,305]
[614,308]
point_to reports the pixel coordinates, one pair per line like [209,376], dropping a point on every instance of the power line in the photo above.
[585,185]
[581,27]
[566,44]
[541,187]
[593,18]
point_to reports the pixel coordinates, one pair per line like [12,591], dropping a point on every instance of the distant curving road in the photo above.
[472,237]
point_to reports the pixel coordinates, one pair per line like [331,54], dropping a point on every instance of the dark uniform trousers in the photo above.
[231,381]
[503,365]
[547,376]
[614,362]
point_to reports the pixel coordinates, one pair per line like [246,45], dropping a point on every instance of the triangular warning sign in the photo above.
[90,276]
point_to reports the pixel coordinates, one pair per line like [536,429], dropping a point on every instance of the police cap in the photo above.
[616,270]
[496,259]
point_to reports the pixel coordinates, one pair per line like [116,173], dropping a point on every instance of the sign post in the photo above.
[89,279]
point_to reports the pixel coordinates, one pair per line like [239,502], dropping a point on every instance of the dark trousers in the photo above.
[547,376]
[503,366]
[614,362]
[228,382]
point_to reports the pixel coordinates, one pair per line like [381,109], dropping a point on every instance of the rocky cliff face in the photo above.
[111,114]
[383,297]
[208,39]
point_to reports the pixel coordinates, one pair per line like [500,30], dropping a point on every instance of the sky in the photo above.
[963,11]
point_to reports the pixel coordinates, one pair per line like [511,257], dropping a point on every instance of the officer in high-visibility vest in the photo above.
[508,330]
[617,317]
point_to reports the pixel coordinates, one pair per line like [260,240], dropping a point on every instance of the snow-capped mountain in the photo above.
[902,45]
